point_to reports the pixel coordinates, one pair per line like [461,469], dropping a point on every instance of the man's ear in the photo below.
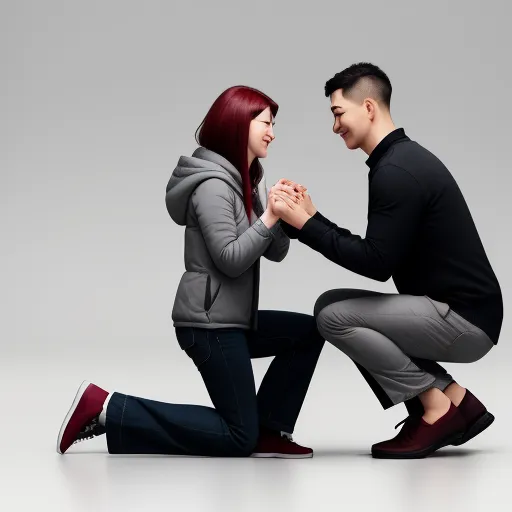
[371,107]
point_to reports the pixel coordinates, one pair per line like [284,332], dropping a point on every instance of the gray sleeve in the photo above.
[214,204]
[280,245]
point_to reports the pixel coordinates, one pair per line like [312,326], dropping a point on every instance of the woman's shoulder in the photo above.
[216,190]
[215,185]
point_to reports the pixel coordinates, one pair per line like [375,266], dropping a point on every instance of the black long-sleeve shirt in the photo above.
[420,232]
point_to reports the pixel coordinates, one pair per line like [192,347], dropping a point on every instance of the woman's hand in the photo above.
[289,201]
[298,191]
[282,188]
[279,206]
[288,209]
[295,191]
[269,217]
[296,186]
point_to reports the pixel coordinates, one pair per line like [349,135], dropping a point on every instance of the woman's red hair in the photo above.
[225,130]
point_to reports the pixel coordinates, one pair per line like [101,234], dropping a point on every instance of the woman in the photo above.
[219,195]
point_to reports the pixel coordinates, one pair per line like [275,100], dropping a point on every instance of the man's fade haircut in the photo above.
[360,81]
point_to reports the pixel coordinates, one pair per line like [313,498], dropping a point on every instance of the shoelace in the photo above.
[403,421]
[287,436]
[408,428]
[411,419]
[91,430]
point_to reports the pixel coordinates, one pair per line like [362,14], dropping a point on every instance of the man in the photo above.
[420,233]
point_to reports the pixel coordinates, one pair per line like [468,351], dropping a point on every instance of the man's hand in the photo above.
[281,187]
[294,191]
[305,199]
[308,205]
[288,209]
[296,186]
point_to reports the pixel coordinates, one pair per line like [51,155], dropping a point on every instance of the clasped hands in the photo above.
[290,202]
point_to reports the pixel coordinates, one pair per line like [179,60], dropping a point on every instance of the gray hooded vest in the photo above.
[220,285]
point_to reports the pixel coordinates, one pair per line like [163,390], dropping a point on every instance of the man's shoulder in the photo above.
[394,178]
[410,163]
[414,158]
[405,149]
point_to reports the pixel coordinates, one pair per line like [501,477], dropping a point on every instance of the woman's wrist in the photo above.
[269,219]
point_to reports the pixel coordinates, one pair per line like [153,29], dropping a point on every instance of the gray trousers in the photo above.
[392,336]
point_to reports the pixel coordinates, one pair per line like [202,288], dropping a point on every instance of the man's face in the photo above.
[351,120]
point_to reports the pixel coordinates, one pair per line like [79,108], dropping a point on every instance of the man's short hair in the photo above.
[360,81]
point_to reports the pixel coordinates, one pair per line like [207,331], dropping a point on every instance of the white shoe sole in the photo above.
[281,456]
[81,390]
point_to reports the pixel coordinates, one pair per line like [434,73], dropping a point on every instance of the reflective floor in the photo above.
[340,420]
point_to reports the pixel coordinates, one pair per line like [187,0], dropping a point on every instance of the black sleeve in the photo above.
[290,231]
[293,232]
[394,211]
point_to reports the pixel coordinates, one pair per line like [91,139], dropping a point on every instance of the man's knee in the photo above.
[338,322]
[327,321]
[339,295]
[326,299]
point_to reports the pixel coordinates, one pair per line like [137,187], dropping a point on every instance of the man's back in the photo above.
[446,259]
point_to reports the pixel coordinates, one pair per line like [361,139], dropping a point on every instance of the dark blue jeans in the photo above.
[223,357]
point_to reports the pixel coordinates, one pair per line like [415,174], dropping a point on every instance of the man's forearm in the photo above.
[293,232]
[340,246]
[290,230]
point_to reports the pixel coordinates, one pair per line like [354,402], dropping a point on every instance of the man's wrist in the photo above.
[300,219]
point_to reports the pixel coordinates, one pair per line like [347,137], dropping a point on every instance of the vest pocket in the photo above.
[191,297]
[208,293]
[208,299]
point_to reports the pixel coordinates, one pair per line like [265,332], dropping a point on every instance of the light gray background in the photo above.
[98,100]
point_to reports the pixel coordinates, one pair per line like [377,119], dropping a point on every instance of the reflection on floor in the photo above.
[340,420]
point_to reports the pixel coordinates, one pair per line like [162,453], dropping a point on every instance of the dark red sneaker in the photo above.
[418,439]
[281,446]
[476,416]
[81,421]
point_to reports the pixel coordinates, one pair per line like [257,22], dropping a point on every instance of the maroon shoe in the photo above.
[476,416]
[274,444]
[81,421]
[418,439]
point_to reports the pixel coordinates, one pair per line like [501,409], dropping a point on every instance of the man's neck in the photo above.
[378,133]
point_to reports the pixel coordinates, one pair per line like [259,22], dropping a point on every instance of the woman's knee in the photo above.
[243,440]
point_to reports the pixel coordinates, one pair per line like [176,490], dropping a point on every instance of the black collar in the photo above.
[384,145]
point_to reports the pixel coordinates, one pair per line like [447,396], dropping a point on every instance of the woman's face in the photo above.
[261,134]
